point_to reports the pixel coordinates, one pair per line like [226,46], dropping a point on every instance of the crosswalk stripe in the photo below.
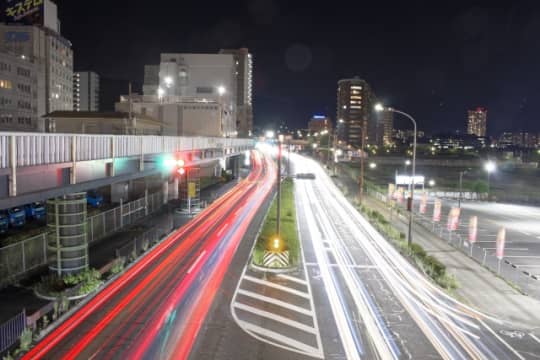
[293,279]
[276,286]
[277,302]
[281,338]
[276,317]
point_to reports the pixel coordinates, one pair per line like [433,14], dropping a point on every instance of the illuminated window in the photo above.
[5,84]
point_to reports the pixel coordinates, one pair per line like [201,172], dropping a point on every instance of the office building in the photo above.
[18,85]
[387,128]
[477,122]
[319,123]
[355,118]
[85,91]
[180,116]
[197,78]
[35,35]
[243,61]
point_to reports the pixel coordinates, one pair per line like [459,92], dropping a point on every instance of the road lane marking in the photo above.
[534,337]
[276,286]
[274,301]
[352,266]
[276,317]
[501,340]
[310,350]
[196,261]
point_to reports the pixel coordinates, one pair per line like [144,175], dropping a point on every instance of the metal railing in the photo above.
[19,258]
[11,330]
[141,243]
[30,149]
[528,283]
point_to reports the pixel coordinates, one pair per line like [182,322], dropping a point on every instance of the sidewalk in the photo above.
[477,286]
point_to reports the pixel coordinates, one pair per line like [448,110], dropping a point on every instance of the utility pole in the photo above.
[278,215]
[361,193]
[460,187]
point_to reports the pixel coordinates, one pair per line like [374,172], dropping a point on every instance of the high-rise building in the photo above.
[194,77]
[387,127]
[477,122]
[318,123]
[18,83]
[34,34]
[355,112]
[85,91]
[244,87]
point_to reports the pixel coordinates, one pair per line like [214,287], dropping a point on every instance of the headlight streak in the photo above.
[403,277]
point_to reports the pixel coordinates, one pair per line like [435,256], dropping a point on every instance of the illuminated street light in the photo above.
[341,121]
[269,134]
[160,92]
[168,81]
[490,167]
[314,146]
[221,90]
[407,162]
[372,165]
[431,183]
[379,107]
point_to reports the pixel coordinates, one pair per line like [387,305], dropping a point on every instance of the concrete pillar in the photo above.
[176,184]
[165,190]
[13,166]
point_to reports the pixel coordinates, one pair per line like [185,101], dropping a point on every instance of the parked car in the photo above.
[94,199]
[4,222]
[35,211]
[17,217]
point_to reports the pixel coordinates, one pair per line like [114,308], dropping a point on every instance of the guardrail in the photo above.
[30,149]
[11,330]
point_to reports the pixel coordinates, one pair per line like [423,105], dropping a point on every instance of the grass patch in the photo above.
[289,234]
[429,265]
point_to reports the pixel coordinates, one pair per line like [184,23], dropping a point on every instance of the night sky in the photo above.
[433,61]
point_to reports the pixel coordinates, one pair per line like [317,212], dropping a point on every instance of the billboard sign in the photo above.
[391,189]
[453,219]
[437,210]
[473,229]
[423,203]
[407,180]
[27,12]
[501,239]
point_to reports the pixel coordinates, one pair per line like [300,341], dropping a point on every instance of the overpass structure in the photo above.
[38,166]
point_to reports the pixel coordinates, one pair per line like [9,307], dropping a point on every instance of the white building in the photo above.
[204,77]
[85,91]
[179,116]
[42,44]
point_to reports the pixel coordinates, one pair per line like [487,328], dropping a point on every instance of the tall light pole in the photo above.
[379,108]
[278,215]
[461,173]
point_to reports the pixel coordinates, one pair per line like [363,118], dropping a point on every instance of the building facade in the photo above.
[18,93]
[387,128]
[40,42]
[180,116]
[85,91]
[319,123]
[355,116]
[244,90]
[477,122]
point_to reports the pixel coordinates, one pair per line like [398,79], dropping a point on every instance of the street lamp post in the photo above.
[278,215]
[461,173]
[380,107]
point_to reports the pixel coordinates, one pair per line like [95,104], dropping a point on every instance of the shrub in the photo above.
[417,251]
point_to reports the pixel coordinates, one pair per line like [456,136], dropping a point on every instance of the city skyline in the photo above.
[436,63]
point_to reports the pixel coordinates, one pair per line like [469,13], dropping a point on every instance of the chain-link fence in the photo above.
[525,281]
[17,259]
[134,248]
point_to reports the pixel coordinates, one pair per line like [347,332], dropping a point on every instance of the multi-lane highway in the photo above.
[155,309]
[397,312]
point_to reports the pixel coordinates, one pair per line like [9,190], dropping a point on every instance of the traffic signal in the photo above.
[180,167]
